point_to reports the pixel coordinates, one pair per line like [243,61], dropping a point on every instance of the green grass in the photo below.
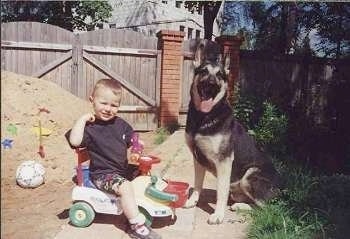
[309,207]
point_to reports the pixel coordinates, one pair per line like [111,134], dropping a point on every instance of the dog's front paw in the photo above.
[216,218]
[192,201]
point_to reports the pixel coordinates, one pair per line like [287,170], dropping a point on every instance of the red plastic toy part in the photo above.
[180,189]
[145,164]
[82,157]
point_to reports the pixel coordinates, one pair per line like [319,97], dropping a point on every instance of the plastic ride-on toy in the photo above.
[155,197]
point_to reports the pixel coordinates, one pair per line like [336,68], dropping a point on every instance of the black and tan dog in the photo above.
[219,143]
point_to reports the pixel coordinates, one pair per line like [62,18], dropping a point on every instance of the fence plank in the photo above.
[115,50]
[53,65]
[35,45]
[114,75]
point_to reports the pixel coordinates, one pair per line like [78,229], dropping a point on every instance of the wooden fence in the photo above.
[313,91]
[76,61]
[156,72]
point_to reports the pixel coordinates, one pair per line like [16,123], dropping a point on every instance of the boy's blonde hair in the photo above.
[114,85]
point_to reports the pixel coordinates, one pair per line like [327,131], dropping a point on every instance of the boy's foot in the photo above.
[142,232]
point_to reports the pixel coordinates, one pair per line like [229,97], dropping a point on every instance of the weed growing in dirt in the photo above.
[161,135]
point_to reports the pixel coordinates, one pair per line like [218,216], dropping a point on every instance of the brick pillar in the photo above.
[230,46]
[170,43]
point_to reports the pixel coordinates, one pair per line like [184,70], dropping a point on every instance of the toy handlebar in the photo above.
[136,148]
[136,145]
[152,191]
[145,163]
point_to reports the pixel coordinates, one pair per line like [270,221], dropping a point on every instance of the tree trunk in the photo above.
[210,11]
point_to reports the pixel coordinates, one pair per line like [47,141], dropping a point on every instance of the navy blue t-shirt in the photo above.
[107,143]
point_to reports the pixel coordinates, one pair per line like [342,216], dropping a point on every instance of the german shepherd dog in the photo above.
[219,143]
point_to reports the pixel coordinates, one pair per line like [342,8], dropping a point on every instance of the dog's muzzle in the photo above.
[208,88]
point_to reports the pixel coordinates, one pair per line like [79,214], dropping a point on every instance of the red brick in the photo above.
[172,52]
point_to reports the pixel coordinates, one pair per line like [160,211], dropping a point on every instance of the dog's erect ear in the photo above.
[226,63]
[199,54]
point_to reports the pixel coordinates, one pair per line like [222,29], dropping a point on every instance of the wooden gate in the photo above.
[75,61]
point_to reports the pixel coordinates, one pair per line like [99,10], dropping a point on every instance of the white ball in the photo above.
[30,174]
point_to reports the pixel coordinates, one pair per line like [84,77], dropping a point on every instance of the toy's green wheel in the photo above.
[81,214]
[149,218]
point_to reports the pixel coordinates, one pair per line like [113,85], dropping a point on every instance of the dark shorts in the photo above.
[109,183]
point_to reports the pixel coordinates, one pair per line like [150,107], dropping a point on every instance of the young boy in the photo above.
[106,138]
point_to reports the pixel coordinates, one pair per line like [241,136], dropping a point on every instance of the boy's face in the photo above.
[105,103]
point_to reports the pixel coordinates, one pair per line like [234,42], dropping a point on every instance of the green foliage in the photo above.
[298,183]
[162,135]
[271,129]
[95,11]
[309,206]
[331,196]
[283,27]
[277,221]
[244,107]
[243,111]
[331,22]
[70,15]
[289,216]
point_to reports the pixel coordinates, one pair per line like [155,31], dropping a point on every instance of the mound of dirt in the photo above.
[21,99]
[38,213]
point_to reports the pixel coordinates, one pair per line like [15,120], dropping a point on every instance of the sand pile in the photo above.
[21,99]
[39,212]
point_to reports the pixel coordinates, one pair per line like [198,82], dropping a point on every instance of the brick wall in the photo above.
[170,42]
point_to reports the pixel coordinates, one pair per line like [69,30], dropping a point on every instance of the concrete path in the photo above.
[176,165]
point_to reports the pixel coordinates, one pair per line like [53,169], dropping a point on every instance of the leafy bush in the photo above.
[244,107]
[270,132]
[243,111]
[270,129]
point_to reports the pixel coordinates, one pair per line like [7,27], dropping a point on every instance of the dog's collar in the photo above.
[209,124]
[214,118]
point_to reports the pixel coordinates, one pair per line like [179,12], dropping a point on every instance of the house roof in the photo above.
[142,12]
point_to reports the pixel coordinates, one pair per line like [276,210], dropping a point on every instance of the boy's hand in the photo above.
[77,132]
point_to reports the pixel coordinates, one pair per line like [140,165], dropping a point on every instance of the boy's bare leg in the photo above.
[131,211]
[128,201]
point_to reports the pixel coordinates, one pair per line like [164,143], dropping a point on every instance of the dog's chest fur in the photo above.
[211,135]
[211,145]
